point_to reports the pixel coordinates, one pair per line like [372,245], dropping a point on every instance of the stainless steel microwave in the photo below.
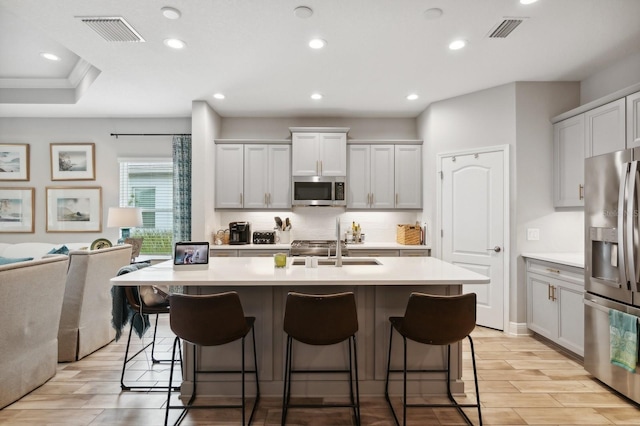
[319,191]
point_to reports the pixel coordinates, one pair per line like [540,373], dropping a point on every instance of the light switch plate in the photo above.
[533,234]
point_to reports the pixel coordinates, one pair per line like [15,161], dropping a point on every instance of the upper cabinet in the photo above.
[384,176]
[253,176]
[606,125]
[568,162]
[319,153]
[605,128]
[633,120]
[267,176]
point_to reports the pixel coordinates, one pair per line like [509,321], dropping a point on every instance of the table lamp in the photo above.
[124,218]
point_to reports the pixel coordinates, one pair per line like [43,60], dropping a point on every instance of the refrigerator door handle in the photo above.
[630,226]
[634,220]
[622,249]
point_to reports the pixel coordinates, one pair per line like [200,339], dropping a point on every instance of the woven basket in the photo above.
[408,235]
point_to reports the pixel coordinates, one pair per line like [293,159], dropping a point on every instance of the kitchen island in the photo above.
[381,288]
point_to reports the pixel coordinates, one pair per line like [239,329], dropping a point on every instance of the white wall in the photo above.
[40,132]
[616,76]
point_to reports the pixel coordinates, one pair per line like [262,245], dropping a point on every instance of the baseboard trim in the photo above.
[518,329]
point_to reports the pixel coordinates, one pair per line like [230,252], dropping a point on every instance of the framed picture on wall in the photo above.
[73,161]
[17,210]
[74,209]
[14,161]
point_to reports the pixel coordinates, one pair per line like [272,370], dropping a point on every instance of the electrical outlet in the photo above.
[533,234]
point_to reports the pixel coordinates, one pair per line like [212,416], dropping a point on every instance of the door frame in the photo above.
[506,248]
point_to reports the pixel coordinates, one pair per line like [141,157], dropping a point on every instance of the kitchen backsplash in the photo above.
[309,223]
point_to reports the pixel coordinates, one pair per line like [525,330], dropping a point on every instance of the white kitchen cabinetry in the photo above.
[370,182]
[267,177]
[229,176]
[319,154]
[633,120]
[408,176]
[555,303]
[569,154]
[605,128]
[384,176]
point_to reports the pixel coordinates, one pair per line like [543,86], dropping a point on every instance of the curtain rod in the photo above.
[150,134]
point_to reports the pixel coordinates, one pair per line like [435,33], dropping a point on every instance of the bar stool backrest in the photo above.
[207,320]
[317,319]
[439,320]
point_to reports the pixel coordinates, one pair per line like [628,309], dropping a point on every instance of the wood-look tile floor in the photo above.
[523,381]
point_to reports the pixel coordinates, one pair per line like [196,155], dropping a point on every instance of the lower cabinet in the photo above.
[245,253]
[389,252]
[555,307]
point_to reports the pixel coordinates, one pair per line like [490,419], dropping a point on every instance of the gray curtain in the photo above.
[181,188]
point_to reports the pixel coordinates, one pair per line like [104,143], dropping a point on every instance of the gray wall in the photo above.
[616,76]
[40,132]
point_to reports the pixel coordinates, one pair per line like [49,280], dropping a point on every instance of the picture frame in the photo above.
[17,210]
[73,161]
[74,209]
[14,161]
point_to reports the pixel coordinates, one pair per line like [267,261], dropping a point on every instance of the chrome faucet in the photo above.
[338,245]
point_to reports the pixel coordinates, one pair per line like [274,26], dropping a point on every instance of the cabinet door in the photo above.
[373,253]
[255,176]
[408,176]
[569,155]
[571,318]
[305,154]
[415,253]
[605,128]
[382,177]
[229,176]
[542,311]
[279,187]
[333,154]
[633,120]
[358,189]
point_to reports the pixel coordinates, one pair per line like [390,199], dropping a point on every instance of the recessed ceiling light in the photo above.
[316,96]
[303,12]
[412,97]
[174,43]
[433,13]
[218,96]
[457,44]
[317,43]
[50,56]
[171,13]
[527,1]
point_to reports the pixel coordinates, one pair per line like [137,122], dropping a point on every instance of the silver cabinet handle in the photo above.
[557,271]
[241,200]
[581,192]
[265,199]
[317,167]
[396,199]
[320,167]
[497,249]
[269,198]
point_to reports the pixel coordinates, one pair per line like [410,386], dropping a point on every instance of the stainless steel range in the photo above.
[316,248]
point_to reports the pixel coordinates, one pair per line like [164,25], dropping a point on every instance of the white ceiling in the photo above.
[256,53]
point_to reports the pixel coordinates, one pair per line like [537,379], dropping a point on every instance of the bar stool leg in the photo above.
[386,385]
[355,362]
[475,378]
[404,384]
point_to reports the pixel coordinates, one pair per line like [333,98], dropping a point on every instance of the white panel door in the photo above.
[255,176]
[305,153]
[605,128]
[633,120]
[473,226]
[358,190]
[382,183]
[333,154]
[570,150]
[229,176]
[279,195]
[408,176]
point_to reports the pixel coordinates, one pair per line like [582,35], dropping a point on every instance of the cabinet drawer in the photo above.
[260,253]
[554,270]
[373,253]
[223,253]
[415,253]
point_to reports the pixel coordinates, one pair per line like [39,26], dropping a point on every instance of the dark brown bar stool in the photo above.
[321,320]
[211,320]
[434,320]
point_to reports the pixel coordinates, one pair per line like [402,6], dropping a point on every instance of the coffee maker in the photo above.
[239,233]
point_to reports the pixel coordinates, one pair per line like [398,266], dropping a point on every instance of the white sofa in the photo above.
[32,294]
[85,324]
[35,250]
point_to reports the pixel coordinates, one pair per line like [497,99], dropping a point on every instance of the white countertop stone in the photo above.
[257,271]
[569,259]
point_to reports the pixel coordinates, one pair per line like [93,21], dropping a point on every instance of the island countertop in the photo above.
[257,271]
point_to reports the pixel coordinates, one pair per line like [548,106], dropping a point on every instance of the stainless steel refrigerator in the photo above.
[612,260]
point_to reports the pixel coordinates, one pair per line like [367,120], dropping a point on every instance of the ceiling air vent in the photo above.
[504,28]
[113,28]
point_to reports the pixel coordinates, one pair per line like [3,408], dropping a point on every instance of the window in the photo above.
[148,184]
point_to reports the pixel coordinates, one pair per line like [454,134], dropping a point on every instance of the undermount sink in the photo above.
[331,262]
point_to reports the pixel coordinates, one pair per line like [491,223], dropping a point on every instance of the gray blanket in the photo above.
[121,311]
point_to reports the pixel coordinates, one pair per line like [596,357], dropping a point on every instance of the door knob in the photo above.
[497,249]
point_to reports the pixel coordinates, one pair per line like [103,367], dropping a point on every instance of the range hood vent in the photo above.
[113,28]
[506,27]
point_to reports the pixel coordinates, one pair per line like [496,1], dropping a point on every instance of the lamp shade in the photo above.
[124,217]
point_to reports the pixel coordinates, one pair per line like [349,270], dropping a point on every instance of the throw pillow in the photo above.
[8,260]
[62,250]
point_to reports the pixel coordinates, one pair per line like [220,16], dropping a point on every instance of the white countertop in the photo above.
[256,271]
[362,246]
[569,259]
